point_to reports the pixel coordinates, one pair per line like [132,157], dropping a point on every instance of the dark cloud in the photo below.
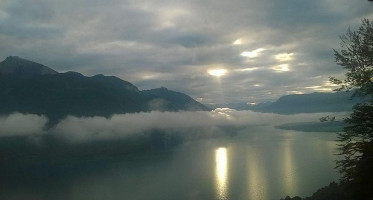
[288,44]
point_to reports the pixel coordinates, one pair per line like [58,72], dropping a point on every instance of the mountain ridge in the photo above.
[38,90]
[312,103]
[304,103]
[14,65]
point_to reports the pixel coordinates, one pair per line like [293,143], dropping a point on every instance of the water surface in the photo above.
[258,163]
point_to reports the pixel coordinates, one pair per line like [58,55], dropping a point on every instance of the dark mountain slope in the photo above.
[162,98]
[311,103]
[14,65]
[58,95]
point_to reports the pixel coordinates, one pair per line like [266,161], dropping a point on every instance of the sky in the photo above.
[216,51]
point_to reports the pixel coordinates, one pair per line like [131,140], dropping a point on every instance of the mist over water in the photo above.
[22,124]
[248,160]
[92,128]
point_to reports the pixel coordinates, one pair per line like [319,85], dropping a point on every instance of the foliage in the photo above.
[356,140]
[334,191]
[356,57]
[327,118]
[356,147]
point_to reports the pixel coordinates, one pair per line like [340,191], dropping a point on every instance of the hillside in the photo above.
[29,87]
[311,103]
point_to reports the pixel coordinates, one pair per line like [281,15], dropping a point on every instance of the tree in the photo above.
[356,140]
[356,57]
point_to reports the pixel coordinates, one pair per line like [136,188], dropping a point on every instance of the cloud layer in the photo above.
[268,47]
[20,124]
[92,128]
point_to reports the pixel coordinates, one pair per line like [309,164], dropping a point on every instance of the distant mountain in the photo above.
[329,126]
[300,103]
[29,87]
[240,105]
[311,103]
[14,65]
[164,99]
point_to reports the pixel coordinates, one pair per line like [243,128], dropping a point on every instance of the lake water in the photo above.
[257,163]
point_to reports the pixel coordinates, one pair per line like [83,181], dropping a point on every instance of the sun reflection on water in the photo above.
[221,172]
[289,166]
[257,180]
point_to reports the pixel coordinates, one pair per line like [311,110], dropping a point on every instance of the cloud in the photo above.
[183,39]
[92,128]
[80,129]
[18,124]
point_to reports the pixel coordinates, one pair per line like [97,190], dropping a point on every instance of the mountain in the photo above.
[240,105]
[162,99]
[29,87]
[14,65]
[311,103]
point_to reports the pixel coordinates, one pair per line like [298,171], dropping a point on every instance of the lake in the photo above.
[257,163]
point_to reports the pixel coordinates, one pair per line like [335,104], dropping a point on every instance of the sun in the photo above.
[217,72]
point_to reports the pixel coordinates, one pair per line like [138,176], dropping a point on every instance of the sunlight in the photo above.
[217,72]
[169,15]
[252,54]
[221,172]
[313,87]
[284,56]
[289,170]
[294,92]
[237,42]
[324,89]
[281,68]
[257,180]
[196,100]
[247,69]
[319,88]
[153,75]
[223,113]
[330,84]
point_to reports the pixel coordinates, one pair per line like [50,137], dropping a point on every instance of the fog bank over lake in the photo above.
[218,155]
[257,162]
[88,128]
[18,124]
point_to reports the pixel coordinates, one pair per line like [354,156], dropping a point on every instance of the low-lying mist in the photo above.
[18,124]
[91,128]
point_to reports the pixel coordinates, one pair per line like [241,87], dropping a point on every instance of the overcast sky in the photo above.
[214,50]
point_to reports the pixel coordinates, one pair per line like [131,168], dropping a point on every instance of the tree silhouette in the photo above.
[356,140]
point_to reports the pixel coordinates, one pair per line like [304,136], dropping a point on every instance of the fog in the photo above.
[88,128]
[18,124]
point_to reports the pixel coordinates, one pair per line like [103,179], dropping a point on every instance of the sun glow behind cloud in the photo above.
[168,16]
[217,72]
[252,54]
[327,86]
[281,68]
[320,88]
[237,42]
[294,92]
[132,39]
[247,69]
[284,56]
